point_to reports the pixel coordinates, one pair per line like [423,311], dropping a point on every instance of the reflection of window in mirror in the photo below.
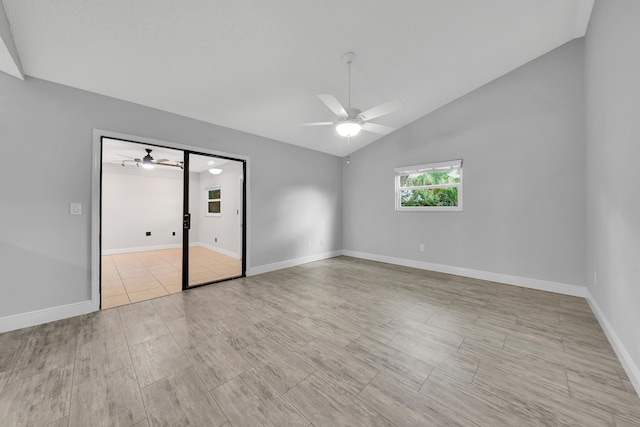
[214,196]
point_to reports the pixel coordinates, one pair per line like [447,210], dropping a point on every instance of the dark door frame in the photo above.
[186,217]
[96,204]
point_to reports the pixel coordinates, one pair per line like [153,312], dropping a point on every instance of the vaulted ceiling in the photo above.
[258,66]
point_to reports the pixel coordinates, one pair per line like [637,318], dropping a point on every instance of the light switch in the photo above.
[75,209]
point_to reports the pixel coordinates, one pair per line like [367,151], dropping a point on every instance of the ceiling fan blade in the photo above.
[382,109]
[333,104]
[173,165]
[316,124]
[376,128]
[161,161]
[126,157]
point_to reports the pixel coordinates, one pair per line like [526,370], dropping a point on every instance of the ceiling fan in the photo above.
[351,120]
[149,162]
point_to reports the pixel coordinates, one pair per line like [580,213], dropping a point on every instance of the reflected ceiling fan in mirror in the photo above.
[351,120]
[148,162]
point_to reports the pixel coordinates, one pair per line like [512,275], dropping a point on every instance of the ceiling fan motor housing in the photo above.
[353,115]
[350,124]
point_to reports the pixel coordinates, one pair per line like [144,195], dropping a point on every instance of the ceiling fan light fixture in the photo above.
[147,161]
[348,128]
[215,171]
[350,120]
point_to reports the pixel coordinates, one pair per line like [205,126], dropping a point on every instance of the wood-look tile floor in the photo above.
[336,342]
[141,276]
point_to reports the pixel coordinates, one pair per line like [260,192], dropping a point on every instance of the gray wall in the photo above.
[226,227]
[46,133]
[522,141]
[613,177]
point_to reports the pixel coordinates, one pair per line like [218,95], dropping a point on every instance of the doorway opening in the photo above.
[170,219]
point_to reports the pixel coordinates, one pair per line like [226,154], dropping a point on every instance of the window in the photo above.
[430,187]
[214,195]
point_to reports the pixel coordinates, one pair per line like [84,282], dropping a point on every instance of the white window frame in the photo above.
[207,200]
[426,168]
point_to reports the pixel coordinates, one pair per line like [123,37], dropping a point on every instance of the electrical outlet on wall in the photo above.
[422,247]
[215,240]
[308,243]
[148,233]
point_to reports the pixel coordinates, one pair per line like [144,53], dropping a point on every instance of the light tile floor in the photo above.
[140,276]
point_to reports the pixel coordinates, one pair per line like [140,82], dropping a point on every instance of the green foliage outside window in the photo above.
[447,196]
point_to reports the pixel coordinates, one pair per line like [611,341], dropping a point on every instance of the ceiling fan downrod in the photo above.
[348,58]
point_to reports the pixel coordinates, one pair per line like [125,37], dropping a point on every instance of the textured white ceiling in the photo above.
[257,66]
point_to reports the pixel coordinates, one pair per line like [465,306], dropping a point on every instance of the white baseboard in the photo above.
[525,282]
[234,255]
[630,367]
[38,317]
[252,271]
[170,246]
[140,249]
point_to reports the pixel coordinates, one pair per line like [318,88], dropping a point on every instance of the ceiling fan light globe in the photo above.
[147,161]
[348,128]
[215,171]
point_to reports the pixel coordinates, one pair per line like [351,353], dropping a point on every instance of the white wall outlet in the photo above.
[75,209]
[422,247]
[308,243]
